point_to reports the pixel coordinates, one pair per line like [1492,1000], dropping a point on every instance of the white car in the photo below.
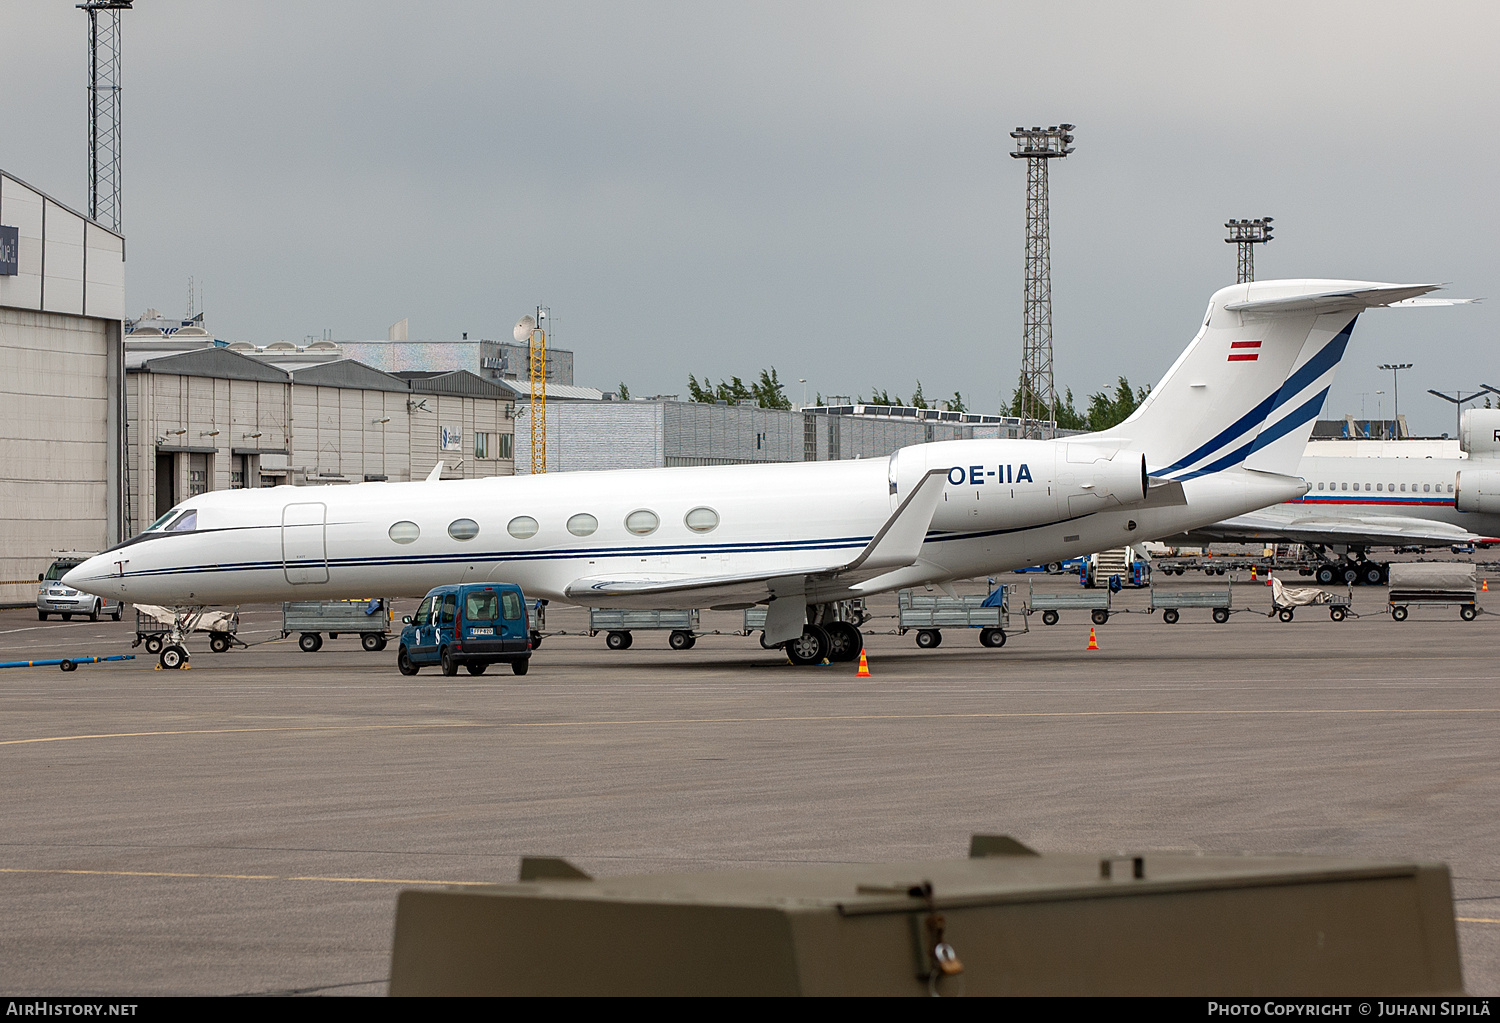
[52,597]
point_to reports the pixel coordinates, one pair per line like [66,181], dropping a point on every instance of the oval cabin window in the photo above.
[522,526]
[702,520]
[405,532]
[582,524]
[465,529]
[642,523]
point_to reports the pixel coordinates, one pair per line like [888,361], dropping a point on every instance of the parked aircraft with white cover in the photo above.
[1219,436]
[1355,503]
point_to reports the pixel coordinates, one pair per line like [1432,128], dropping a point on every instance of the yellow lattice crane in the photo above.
[531,331]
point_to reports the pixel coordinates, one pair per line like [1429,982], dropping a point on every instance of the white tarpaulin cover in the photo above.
[1432,575]
[1295,596]
[194,621]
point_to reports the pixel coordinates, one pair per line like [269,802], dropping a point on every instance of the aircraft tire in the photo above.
[1350,575]
[450,666]
[1325,575]
[1370,573]
[844,641]
[929,639]
[403,663]
[475,667]
[809,648]
[371,641]
[1169,616]
[173,657]
[520,665]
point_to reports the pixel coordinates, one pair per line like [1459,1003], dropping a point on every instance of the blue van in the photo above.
[474,625]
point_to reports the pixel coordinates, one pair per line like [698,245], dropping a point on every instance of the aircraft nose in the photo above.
[77,577]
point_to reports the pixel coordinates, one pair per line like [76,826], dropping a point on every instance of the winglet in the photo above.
[900,540]
[436,473]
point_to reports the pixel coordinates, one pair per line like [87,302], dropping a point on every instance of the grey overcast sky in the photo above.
[823,187]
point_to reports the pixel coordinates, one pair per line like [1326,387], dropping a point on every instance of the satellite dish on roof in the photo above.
[524,328]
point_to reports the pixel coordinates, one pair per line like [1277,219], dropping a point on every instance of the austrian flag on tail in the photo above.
[1243,351]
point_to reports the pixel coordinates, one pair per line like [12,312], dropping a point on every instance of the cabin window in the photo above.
[702,520]
[642,522]
[405,532]
[1320,486]
[582,524]
[1380,487]
[1450,488]
[1426,488]
[510,606]
[1343,486]
[1403,488]
[1367,488]
[522,527]
[450,605]
[466,529]
[424,612]
[481,606]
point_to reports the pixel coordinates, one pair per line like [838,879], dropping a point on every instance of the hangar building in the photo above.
[62,301]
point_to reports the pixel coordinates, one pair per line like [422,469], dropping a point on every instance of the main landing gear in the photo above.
[826,637]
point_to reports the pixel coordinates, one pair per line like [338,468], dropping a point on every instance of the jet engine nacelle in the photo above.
[1011,484]
[1477,490]
[1479,433]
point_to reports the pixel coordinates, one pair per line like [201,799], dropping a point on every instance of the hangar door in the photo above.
[304,547]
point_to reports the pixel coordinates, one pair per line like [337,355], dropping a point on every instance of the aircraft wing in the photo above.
[895,545]
[1366,530]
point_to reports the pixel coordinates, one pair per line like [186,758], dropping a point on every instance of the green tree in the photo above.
[1106,410]
[918,400]
[703,392]
[884,397]
[956,403]
[770,393]
[623,391]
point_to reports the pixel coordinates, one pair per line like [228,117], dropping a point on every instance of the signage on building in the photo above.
[452,438]
[10,241]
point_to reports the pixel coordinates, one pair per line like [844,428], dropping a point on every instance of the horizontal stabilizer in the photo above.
[1337,300]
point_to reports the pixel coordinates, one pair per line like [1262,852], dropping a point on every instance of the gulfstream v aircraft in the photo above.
[1221,435]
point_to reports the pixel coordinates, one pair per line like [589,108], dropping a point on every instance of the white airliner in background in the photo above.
[1219,436]
[1355,503]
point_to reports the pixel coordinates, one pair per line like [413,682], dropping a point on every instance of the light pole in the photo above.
[803,382]
[1247,234]
[1459,401]
[1396,368]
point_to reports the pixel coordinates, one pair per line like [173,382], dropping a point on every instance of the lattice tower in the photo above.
[1037,146]
[1247,234]
[104,110]
[538,367]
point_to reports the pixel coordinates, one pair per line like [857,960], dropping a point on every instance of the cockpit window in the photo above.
[161,521]
[188,520]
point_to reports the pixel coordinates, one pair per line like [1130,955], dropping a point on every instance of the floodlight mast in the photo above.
[1459,401]
[1038,394]
[538,367]
[104,110]
[1247,234]
[1396,368]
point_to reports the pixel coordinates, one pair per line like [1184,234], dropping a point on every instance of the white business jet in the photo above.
[1219,436]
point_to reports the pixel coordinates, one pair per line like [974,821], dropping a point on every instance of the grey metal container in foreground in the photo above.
[1013,923]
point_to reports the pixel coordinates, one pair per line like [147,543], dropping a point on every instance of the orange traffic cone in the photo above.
[1485,586]
[1093,640]
[864,665]
[1252,574]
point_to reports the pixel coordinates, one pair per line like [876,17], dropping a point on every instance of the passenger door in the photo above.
[304,550]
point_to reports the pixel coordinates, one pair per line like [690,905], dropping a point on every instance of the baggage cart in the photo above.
[929,614]
[1171,603]
[369,617]
[1286,599]
[618,626]
[1433,584]
[1051,605]
[154,625]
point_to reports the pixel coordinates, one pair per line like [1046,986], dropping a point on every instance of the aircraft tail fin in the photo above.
[1249,387]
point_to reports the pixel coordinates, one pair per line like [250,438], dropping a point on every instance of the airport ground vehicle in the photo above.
[1433,584]
[1171,603]
[472,624]
[54,598]
[1051,605]
[1286,599]
[929,614]
[620,624]
[371,619]
[1116,568]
